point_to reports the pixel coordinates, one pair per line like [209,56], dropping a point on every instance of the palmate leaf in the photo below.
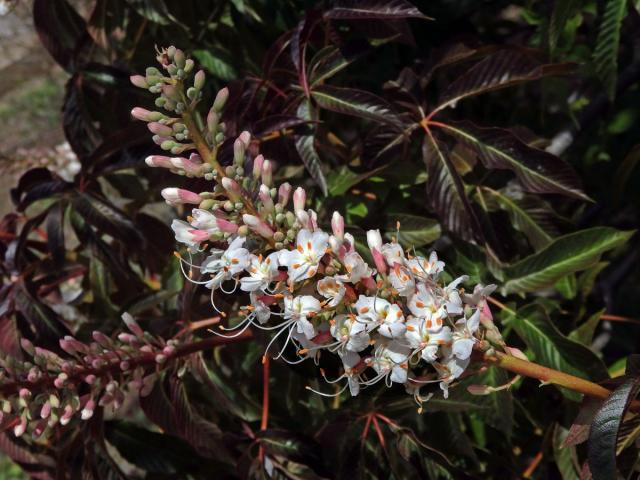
[605,56]
[527,215]
[373,10]
[358,103]
[499,70]
[331,60]
[445,192]
[567,254]
[538,171]
[415,231]
[552,349]
[603,436]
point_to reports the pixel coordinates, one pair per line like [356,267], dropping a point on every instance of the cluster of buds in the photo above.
[49,390]
[393,321]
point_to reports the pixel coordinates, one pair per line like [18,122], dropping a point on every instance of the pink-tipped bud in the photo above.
[60,380]
[27,346]
[160,129]
[226,225]
[337,225]
[90,379]
[140,113]
[221,99]
[139,81]
[284,193]
[265,197]
[213,119]
[230,185]
[158,161]
[132,325]
[187,165]
[21,427]
[198,80]
[160,358]
[66,416]
[195,159]
[125,337]
[303,219]
[101,339]
[267,173]
[175,196]
[245,138]
[67,346]
[87,411]
[374,240]
[257,166]
[45,411]
[169,350]
[479,389]
[24,393]
[299,199]
[257,225]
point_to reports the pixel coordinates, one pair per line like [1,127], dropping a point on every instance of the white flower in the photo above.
[378,313]
[402,280]
[452,296]
[204,220]
[425,269]
[424,304]
[298,309]
[393,253]
[450,369]
[302,262]
[351,333]
[333,289]
[480,293]
[225,264]
[261,272]
[260,309]
[428,343]
[391,359]
[463,336]
[374,239]
[350,360]
[356,268]
[188,235]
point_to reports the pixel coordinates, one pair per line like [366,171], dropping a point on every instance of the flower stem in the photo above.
[548,375]
[264,422]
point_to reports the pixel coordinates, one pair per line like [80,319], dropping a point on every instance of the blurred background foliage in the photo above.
[85,244]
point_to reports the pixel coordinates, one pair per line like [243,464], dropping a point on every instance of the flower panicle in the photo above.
[393,320]
[51,389]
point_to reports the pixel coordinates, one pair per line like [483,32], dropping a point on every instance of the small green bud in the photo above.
[192,93]
[180,59]
[221,99]
[278,245]
[219,137]
[188,65]
[229,171]
[167,145]
[208,176]
[152,72]
[291,234]
[239,205]
[228,206]
[198,80]
[160,101]
[207,204]
[280,218]
[171,52]
[278,236]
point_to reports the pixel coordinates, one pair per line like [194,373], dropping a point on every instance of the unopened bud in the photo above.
[198,80]
[221,99]
[265,198]
[257,166]
[230,185]
[87,411]
[337,225]
[139,81]
[21,427]
[299,199]
[27,346]
[284,193]
[175,196]
[160,129]
[267,173]
[257,225]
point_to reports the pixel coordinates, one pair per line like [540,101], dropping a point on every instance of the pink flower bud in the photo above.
[60,380]
[226,225]
[139,81]
[169,350]
[257,166]
[140,113]
[66,417]
[160,359]
[24,393]
[87,411]
[267,173]
[238,152]
[299,199]
[303,218]
[90,379]
[213,119]
[160,129]
[102,339]
[245,138]
[265,198]
[479,389]
[230,185]
[21,427]
[221,99]
[45,411]
[186,165]
[67,346]
[337,225]
[195,158]
[27,346]
[158,161]
[257,225]
[175,196]
[284,193]
[374,240]
[132,325]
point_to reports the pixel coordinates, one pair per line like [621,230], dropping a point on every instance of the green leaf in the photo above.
[552,349]
[567,286]
[415,231]
[374,10]
[329,61]
[564,456]
[605,56]
[527,215]
[567,254]
[584,333]
[342,179]
[153,10]
[603,436]
[563,10]
[217,63]
[538,171]
[358,103]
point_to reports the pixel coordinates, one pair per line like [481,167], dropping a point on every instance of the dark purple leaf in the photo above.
[538,171]
[307,151]
[373,10]
[331,60]
[55,233]
[445,192]
[499,70]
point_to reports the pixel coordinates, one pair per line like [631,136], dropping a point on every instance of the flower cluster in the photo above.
[49,390]
[387,321]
